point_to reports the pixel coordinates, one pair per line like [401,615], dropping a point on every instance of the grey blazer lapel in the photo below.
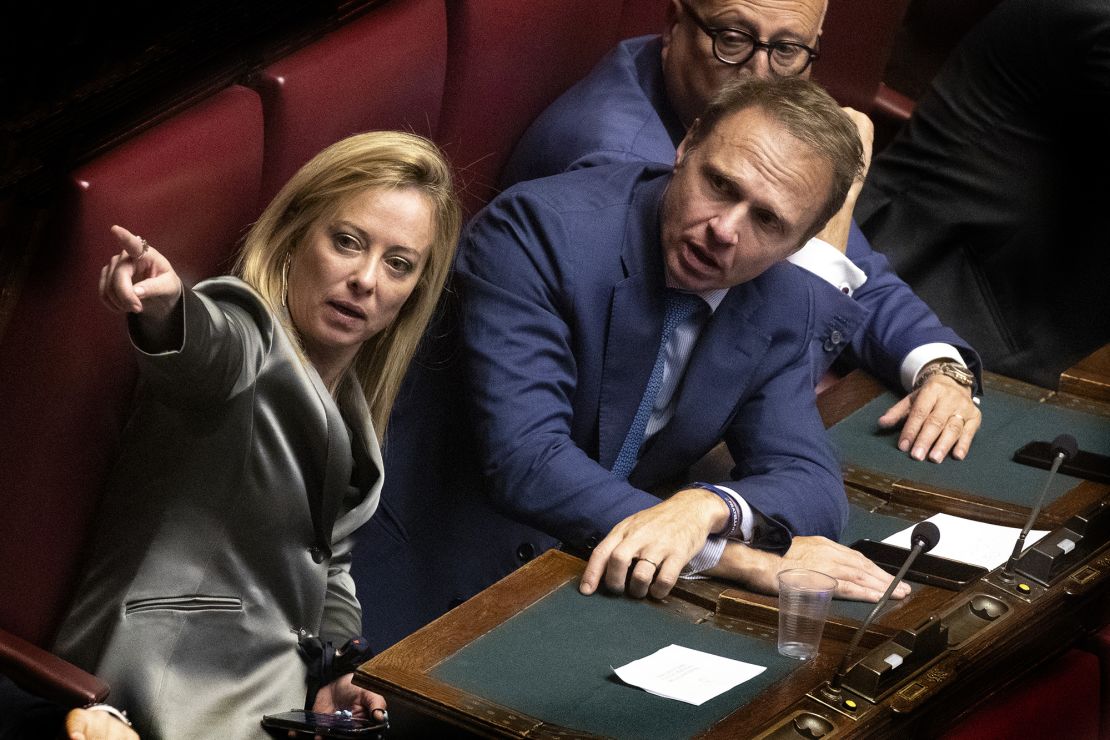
[324,504]
[364,444]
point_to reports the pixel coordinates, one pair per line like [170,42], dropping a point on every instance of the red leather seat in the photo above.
[642,17]
[1060,699]
[856,42]
[189,185]
[384,70]
[507,60]
[1099,645]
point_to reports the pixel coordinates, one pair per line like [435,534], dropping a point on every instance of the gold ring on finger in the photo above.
[653,564]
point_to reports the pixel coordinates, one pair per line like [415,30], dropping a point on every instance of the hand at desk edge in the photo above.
[647,551]
[857,577]
[936,418]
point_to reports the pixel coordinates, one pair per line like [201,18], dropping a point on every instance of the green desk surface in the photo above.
[865,524]
[1009,422]
[554,660]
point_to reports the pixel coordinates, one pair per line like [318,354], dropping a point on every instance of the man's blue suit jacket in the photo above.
[563,293]
[620,113]
[559,283]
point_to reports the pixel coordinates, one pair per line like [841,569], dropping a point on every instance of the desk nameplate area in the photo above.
[988,486]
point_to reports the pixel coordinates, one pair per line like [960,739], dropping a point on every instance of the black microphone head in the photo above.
[926,534]
[1065,445]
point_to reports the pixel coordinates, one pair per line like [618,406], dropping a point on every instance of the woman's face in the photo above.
[354,271]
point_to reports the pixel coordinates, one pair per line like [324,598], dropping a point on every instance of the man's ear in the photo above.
[683,146]
[674,13]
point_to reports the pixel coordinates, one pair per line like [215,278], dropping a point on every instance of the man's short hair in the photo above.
[808,113]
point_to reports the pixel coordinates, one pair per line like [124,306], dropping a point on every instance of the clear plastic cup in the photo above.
[804,597]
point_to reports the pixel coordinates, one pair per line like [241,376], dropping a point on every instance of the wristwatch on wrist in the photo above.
[953,370]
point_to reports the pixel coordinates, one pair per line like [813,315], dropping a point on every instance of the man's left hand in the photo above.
[648,550]
[939,416]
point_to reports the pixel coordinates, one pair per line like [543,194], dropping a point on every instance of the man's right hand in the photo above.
[857,577]
[645,553]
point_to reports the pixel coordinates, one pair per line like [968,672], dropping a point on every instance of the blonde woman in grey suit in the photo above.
[219,572]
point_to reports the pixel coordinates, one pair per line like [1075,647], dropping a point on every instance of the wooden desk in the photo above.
[1090,377]
[965,488]
[981,655]
[985,636]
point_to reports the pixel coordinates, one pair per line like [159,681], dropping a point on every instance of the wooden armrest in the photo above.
[47,675]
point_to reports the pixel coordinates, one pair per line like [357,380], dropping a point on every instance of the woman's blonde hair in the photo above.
[378,159]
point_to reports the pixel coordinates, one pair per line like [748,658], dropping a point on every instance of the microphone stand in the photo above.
[925,537]
[1065,447]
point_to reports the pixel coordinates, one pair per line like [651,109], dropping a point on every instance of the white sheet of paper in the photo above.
[676,672]
[978,543]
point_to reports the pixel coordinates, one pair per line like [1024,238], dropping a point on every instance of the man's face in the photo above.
[691,72]
[741,200]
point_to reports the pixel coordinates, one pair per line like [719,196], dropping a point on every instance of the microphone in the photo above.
[1064,448]
[924,537]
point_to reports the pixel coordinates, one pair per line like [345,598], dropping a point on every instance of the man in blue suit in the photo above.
[567,283]
[636,106]
[562,286]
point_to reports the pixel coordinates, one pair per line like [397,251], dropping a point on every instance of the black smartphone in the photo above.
[1087,465]
[928,569]
[325,725]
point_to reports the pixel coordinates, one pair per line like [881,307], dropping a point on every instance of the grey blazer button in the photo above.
[525,552]
[317,554]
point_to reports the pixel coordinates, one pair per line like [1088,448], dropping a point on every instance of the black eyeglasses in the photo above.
[736,46]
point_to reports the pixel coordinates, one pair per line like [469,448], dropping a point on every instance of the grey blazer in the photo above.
[225,532]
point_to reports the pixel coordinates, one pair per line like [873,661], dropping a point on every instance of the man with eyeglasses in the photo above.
[637,104]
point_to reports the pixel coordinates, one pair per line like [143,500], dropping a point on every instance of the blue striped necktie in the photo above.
[680,307]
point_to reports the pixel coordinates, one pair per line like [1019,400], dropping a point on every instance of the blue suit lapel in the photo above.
[635,322]
[721,369]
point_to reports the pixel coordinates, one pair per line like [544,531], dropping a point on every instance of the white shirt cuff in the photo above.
[707,557]
[121,716]
[922,356]
[830,264]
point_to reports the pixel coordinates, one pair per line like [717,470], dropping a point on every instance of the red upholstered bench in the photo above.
[384,70]
[1060,699]
[507,60]
[189,185]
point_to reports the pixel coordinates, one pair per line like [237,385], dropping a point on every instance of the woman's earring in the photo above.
[285,281]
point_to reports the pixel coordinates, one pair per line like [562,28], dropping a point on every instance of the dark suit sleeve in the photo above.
[786,467]
[522,374]
[899,321]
